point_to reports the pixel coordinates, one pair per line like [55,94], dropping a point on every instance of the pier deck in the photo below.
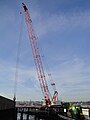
[46,113]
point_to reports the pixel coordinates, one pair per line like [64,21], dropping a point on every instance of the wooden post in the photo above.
[36,118]
[15,114]
[21,117]
[28,116]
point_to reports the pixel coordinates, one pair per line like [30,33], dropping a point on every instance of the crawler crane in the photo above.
[37,60]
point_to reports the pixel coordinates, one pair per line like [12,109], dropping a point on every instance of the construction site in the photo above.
[51,108]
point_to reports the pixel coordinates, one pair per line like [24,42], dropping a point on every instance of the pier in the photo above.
[54,112]
[38,112]
[42,112]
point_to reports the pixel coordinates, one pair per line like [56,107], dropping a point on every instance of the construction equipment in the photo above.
[37,58]
[55,95]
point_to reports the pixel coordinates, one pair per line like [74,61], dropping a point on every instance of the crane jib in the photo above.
[37,58]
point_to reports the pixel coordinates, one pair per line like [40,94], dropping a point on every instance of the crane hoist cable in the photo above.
[18,56]
[49,75]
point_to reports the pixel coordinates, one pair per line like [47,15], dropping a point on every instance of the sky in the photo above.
[62,28]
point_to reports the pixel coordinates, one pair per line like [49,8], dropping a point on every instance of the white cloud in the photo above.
[72,77]
[26,80]
[60,22]
[7,17]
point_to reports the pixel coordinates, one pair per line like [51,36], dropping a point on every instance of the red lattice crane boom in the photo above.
[36,55]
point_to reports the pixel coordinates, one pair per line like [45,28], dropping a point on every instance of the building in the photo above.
[7,109]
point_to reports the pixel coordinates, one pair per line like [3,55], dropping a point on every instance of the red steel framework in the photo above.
[37,59]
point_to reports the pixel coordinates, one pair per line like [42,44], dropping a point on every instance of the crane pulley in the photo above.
[37,58]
